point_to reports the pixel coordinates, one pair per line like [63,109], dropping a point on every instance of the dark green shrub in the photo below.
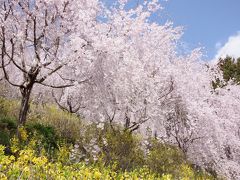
[7,122]
[4,138]
[117,147]
[46,134]
[165,159]
[9,108]
[230,68]
[7,129]
[123,148]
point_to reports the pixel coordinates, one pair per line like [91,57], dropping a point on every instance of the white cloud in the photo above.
[231,47]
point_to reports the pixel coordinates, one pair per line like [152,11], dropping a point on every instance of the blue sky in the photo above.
[213,24]
[210,23]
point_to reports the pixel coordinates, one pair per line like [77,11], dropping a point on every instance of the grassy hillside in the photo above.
[58,145]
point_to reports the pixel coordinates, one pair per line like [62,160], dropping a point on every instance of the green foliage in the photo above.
[9,108]
[66,125]
[121,147]
[163,158]
[7,129]
[111,146]
[230,68]
[30,164]
[44,151]
[45,133]
[8,123]
[167,159]
[124,151]
[4,138]
[218,83]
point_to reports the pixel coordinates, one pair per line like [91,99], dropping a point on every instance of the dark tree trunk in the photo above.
[26,92]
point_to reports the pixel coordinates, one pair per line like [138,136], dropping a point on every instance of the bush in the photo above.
[9,108]
[121,147]
[4,138]
[46,134]
[66,125]
[163,158]
[7,129]
[110,147]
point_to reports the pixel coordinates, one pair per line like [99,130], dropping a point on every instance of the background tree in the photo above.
[230,72]
[230,68]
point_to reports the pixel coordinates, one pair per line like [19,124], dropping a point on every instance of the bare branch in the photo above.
[58,102]
[169,89]
[3,49]
[49,74]
[54,86]
[11,57]
[71,107]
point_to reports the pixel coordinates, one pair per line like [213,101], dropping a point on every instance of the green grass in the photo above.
[50,133]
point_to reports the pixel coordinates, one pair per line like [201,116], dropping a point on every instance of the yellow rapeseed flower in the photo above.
[23,133]
[97,175]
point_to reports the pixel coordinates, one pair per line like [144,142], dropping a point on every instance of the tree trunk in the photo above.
[26,92]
